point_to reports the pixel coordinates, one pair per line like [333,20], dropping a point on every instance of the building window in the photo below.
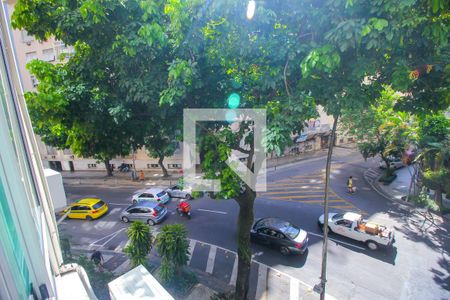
[174,166]
[34,81]
[92,166]
[26,38]
[48,54]
[152,166]
[341,140]
[30,56]
[350,139]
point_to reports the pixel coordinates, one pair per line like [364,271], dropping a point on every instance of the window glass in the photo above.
[134,210]
[98,204]
[161,194]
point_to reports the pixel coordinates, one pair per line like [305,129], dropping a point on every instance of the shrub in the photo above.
[141,243]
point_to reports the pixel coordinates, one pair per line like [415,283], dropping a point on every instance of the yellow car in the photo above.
[88,208]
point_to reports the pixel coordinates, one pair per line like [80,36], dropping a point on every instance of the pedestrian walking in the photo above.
[141,176]
[97,258]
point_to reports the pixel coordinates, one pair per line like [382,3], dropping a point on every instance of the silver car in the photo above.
[146,211]
[177,191]
[154,194]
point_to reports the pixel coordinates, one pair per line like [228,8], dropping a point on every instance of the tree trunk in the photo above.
[108,167]
[160,162]
[323,277]
[438,197]
[245,221]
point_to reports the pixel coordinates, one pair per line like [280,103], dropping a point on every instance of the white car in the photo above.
[353,226]
[395,163]
[177,192]
[152,194]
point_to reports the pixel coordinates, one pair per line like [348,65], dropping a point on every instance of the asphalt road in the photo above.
[417,267]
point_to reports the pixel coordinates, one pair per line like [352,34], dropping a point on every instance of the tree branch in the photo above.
[285,78]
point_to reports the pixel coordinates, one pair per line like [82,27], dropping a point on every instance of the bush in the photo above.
[387,179]
[99,279]
[424,200]
[141,243]
[173,247]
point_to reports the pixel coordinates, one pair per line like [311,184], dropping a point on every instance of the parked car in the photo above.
[282,235]
[153,194]
[352,225]
[146,211]
[177,191]
[88,209]
[395,163]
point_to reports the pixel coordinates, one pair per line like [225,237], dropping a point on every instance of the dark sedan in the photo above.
[282,235]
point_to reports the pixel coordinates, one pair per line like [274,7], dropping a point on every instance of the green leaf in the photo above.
[365,30]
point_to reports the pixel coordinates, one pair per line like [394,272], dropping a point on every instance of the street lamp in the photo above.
[251,9]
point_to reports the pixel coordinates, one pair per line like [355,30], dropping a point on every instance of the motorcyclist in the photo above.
[184,207]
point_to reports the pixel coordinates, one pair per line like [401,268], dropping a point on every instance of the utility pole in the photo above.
[323,275]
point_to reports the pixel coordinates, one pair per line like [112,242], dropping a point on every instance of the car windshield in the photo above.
[98,204]
[160,194]
[290,230]
[337,217]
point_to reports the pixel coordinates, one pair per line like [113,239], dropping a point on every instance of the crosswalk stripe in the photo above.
[106,258]
[343,206]
[122,267]
[299,196]
[311,181]
[294,185]
[114,210]
[294,289]
[191,250]
[293,192]
[211,259]
[233,276]
[261,286]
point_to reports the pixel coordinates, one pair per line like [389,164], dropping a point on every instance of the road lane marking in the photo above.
[106,236]
[213,211]
[302,186]
[211,259]
[294,289]
[300,197]
[121,204]
[233,276]
[284,192]
[337,241]
[192,244]
[261,286]
[114,210]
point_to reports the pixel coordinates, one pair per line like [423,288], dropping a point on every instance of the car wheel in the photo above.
[284,250]
[188,197]
[372,245]
[125,220]
[89,218]
[150,222]
[134,201]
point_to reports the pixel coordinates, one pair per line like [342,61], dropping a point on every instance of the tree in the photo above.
[141,243]
[173,247]
[102,100]
[380,130]
[434,143]
[161,139]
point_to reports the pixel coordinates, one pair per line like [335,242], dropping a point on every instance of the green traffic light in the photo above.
[234,100]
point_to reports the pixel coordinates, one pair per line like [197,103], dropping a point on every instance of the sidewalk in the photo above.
[216,271]
[152,178]
[397,190]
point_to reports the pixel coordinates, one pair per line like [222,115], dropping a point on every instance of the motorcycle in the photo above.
[184,208]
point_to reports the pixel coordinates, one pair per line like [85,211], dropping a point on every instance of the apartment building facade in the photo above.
[31,263]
